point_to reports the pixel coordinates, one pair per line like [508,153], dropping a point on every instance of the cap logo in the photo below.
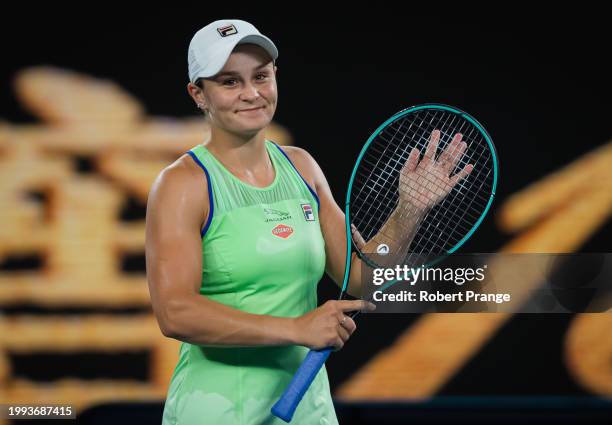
[227,30]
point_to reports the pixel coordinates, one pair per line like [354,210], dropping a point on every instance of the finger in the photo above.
[343,333]
[359,241]
[461,174]
[338,344]
[355,305]
[432,146]
[412,161]
[349,325]
[449,153]
[458,154]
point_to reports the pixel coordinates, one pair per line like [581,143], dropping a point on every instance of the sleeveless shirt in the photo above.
[263,253]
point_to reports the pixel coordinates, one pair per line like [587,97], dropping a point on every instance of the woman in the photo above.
[236,244]
[238,234]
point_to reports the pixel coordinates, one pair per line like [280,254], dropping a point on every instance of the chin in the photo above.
[252,125]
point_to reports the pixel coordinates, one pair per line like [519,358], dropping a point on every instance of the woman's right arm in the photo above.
[174,268]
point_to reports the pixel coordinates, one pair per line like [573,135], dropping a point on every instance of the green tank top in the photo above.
[263,253]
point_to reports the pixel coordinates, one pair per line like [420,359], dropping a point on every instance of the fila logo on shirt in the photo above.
[227,30]
[307,210]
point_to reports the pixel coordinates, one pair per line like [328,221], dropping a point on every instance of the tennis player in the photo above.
[239,231]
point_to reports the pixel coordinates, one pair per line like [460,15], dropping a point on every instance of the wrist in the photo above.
[293,331]
[410,211]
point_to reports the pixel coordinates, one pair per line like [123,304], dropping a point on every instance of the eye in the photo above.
[229,82]
[262,76]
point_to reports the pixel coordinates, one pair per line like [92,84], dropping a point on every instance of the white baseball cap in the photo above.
[211,46]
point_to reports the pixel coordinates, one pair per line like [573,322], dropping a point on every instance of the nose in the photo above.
[249,93]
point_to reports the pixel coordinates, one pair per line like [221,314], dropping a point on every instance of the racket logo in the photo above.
[227,30]
[382,249]
[308,214]
[282,231]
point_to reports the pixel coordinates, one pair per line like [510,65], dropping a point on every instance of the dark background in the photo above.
[537,82]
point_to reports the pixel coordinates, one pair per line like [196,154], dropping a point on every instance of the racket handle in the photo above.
[286,405]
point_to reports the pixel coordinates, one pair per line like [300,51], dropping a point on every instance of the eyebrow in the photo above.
[233,73]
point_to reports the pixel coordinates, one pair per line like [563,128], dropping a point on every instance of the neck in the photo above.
[239,152]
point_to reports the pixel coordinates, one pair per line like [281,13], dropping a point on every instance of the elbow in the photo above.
[169,320]
[168,329]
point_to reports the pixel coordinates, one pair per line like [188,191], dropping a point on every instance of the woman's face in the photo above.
[242,97]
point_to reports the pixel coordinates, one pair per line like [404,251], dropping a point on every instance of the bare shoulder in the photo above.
[305,164]
[181,184]
[181,175]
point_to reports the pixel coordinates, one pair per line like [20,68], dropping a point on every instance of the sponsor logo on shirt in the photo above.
[282,231]
[307,210]
[227,30]
[275,215]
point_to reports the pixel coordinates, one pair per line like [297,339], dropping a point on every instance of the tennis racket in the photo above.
[422,184]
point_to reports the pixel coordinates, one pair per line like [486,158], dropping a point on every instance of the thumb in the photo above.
[359,241]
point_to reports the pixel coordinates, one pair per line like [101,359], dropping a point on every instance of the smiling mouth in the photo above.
[252,109]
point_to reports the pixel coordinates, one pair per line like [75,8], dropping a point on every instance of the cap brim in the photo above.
[221,57]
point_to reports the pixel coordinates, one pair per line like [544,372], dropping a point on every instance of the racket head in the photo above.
[373,187]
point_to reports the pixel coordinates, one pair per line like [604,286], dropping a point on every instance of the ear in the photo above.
[197,94]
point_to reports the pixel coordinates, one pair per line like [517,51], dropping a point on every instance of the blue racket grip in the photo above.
[286,405]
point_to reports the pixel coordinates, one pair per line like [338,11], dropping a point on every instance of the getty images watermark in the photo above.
[501,282]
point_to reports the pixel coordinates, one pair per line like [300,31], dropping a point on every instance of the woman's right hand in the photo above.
[328,325]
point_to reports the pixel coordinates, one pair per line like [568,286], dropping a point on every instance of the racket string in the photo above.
[388,187]
[448,208]
[397,146]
